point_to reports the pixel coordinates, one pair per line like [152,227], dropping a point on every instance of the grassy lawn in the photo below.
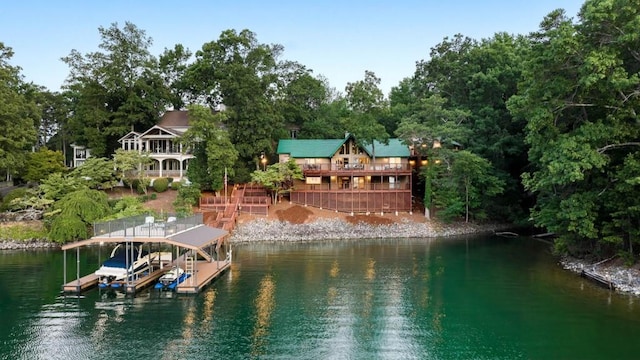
[22,231]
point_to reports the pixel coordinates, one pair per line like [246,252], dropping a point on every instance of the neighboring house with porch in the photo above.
[80,155]
[342,175]
[161,141]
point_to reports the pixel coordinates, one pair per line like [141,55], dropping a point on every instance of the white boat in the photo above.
[172,277]
[128,261]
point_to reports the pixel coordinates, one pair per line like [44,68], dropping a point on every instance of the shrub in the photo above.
[161,184]
[170,179]
[176,185]
[153,196]
[12,195]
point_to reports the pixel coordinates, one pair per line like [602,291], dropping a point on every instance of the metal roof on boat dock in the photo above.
[188,233]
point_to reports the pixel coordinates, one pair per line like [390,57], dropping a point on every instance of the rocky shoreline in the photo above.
[624,279]
[262,230]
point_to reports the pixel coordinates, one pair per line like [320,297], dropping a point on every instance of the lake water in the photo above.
[465,298]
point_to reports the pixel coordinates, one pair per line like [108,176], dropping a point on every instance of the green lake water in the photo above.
[463,298]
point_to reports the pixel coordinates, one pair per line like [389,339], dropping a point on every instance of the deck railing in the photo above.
[146,226]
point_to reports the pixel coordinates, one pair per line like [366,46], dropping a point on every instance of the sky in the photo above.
[339,40]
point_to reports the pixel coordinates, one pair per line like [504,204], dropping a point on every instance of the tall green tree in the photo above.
[580,96]
[42,163]
[469,184]
[368,106]
[215,154]
[114,90]
[478,77]
[241,73]
[173,65]
[18,116]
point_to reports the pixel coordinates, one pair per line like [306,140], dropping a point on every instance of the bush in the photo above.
[153,196]
[161,184]
[170,179]
[176,185]
[12,195]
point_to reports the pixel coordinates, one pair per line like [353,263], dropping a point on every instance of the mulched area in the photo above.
[297,214]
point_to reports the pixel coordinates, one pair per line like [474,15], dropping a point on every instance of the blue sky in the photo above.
[337,39]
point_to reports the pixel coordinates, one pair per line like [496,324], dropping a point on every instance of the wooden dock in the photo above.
[89,281]
[205,273]
[598,279]
[81,284]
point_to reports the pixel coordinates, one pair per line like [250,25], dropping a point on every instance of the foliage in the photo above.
[57,185]
[176,185]
[367,104]
[215,154]
[115,89]
[12,195]
[129,165]
[43,162]
[579,94]
[160,184]
[21,232]
[240,72]
[126,206]
[75,212]
[96,173]
[278,178]
[188,196]
[22,198]
[18,115]
[466,185]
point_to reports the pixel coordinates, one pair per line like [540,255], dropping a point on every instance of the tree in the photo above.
[469,184]
[580,96]
[241,73]
[173,70]
[367,104]
[478,77]
[425,129]
[96,173]
[215,154]
[278,178]
[42,163]
[130,165]
[116,90]
[17,116]
[75,212]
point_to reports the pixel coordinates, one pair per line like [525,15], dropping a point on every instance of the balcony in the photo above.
[355,169]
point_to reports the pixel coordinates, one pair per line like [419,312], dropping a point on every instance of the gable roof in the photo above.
[310,148]
[174,118]
[395,148]
[326,148]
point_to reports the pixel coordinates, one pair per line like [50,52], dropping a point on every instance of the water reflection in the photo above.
[264,304]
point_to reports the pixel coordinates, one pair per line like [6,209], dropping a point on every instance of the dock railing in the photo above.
[146,226]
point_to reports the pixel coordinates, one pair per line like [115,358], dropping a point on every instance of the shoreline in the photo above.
[264,230]
[626,280]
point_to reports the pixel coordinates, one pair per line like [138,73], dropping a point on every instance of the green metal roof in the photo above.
[310,148]
[326,148]
[395,148]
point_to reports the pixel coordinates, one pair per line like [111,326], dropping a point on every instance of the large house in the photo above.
[171,158]
[342,175]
